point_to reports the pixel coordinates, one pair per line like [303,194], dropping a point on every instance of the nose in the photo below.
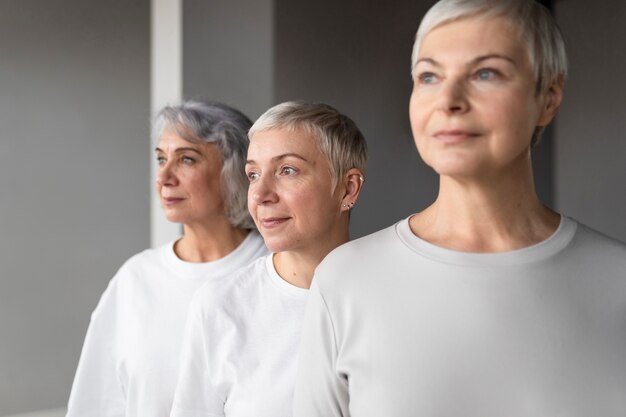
[263,190]
[453,96]
[165,175]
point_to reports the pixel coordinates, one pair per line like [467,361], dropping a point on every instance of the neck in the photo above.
[298,266]
[497,214]
[208,242]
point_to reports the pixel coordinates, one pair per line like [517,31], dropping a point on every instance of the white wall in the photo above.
[74,175]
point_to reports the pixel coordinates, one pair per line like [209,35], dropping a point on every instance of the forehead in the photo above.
[171,138]
[171,141]
[466,38]
[278,141]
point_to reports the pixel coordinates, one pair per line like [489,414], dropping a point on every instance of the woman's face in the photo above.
[188,180]
[291,196]
[473,108]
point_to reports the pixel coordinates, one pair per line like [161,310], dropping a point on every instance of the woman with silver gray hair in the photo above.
[487,303]
[130,359]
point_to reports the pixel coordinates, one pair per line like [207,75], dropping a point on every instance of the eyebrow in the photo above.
[178,150]
[281,156]
[472,62]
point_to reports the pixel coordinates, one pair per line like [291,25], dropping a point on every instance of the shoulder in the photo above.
[146,259]
[230,290]
[358,259]
[133,273]
[361,248]
[597,243]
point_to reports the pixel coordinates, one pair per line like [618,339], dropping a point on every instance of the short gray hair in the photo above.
[213,122]
[536,26]
[337,136]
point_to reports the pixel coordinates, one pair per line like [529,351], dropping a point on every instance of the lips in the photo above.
[170,201]
[272,222]
[455,135]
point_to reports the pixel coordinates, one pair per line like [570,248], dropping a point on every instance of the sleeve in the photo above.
[196,395]
[97,390]
[320,391]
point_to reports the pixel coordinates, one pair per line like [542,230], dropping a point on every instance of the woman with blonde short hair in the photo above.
[486,303]
[305,166]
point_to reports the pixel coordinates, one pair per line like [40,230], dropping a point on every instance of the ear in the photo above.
[551,101]
[352,182]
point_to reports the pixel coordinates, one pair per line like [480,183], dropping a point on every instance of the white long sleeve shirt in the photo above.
[130,360]
[396,326]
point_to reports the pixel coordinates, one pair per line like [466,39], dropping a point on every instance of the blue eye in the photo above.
[427,78]
[187,160]
[160,160]
[486,74]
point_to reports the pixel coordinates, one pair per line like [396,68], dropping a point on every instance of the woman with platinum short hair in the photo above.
[305,166]
[486,303]
[130,359]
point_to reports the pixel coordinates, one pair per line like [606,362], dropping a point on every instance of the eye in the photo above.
[427,78]
[187,160]
[287,170]
[486,74]
[252,176]
[160,160]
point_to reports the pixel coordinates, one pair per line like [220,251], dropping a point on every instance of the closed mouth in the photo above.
[269,222]
[454,136]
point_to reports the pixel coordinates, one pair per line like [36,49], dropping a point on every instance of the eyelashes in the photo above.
[283,171]
[482,74]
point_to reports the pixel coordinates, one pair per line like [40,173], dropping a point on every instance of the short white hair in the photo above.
[535,23]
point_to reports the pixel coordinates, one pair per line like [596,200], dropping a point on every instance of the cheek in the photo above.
[415,113]
[251,206]
[418,116]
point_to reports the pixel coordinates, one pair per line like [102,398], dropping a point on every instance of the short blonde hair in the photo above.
[337,136]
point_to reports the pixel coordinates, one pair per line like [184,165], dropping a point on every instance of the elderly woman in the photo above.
[305,166]
[487,303]
[130,360]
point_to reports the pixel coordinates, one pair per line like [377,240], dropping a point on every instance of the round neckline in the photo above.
[195,270]
[555,243]
[280,283]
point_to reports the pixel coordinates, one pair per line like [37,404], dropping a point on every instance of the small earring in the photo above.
[361,178]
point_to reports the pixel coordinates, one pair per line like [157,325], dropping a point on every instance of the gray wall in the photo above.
[590,155]
[228,52]
[74,175]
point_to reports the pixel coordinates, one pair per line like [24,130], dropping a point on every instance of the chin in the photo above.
[455,167]
[277,245]
[174,218]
